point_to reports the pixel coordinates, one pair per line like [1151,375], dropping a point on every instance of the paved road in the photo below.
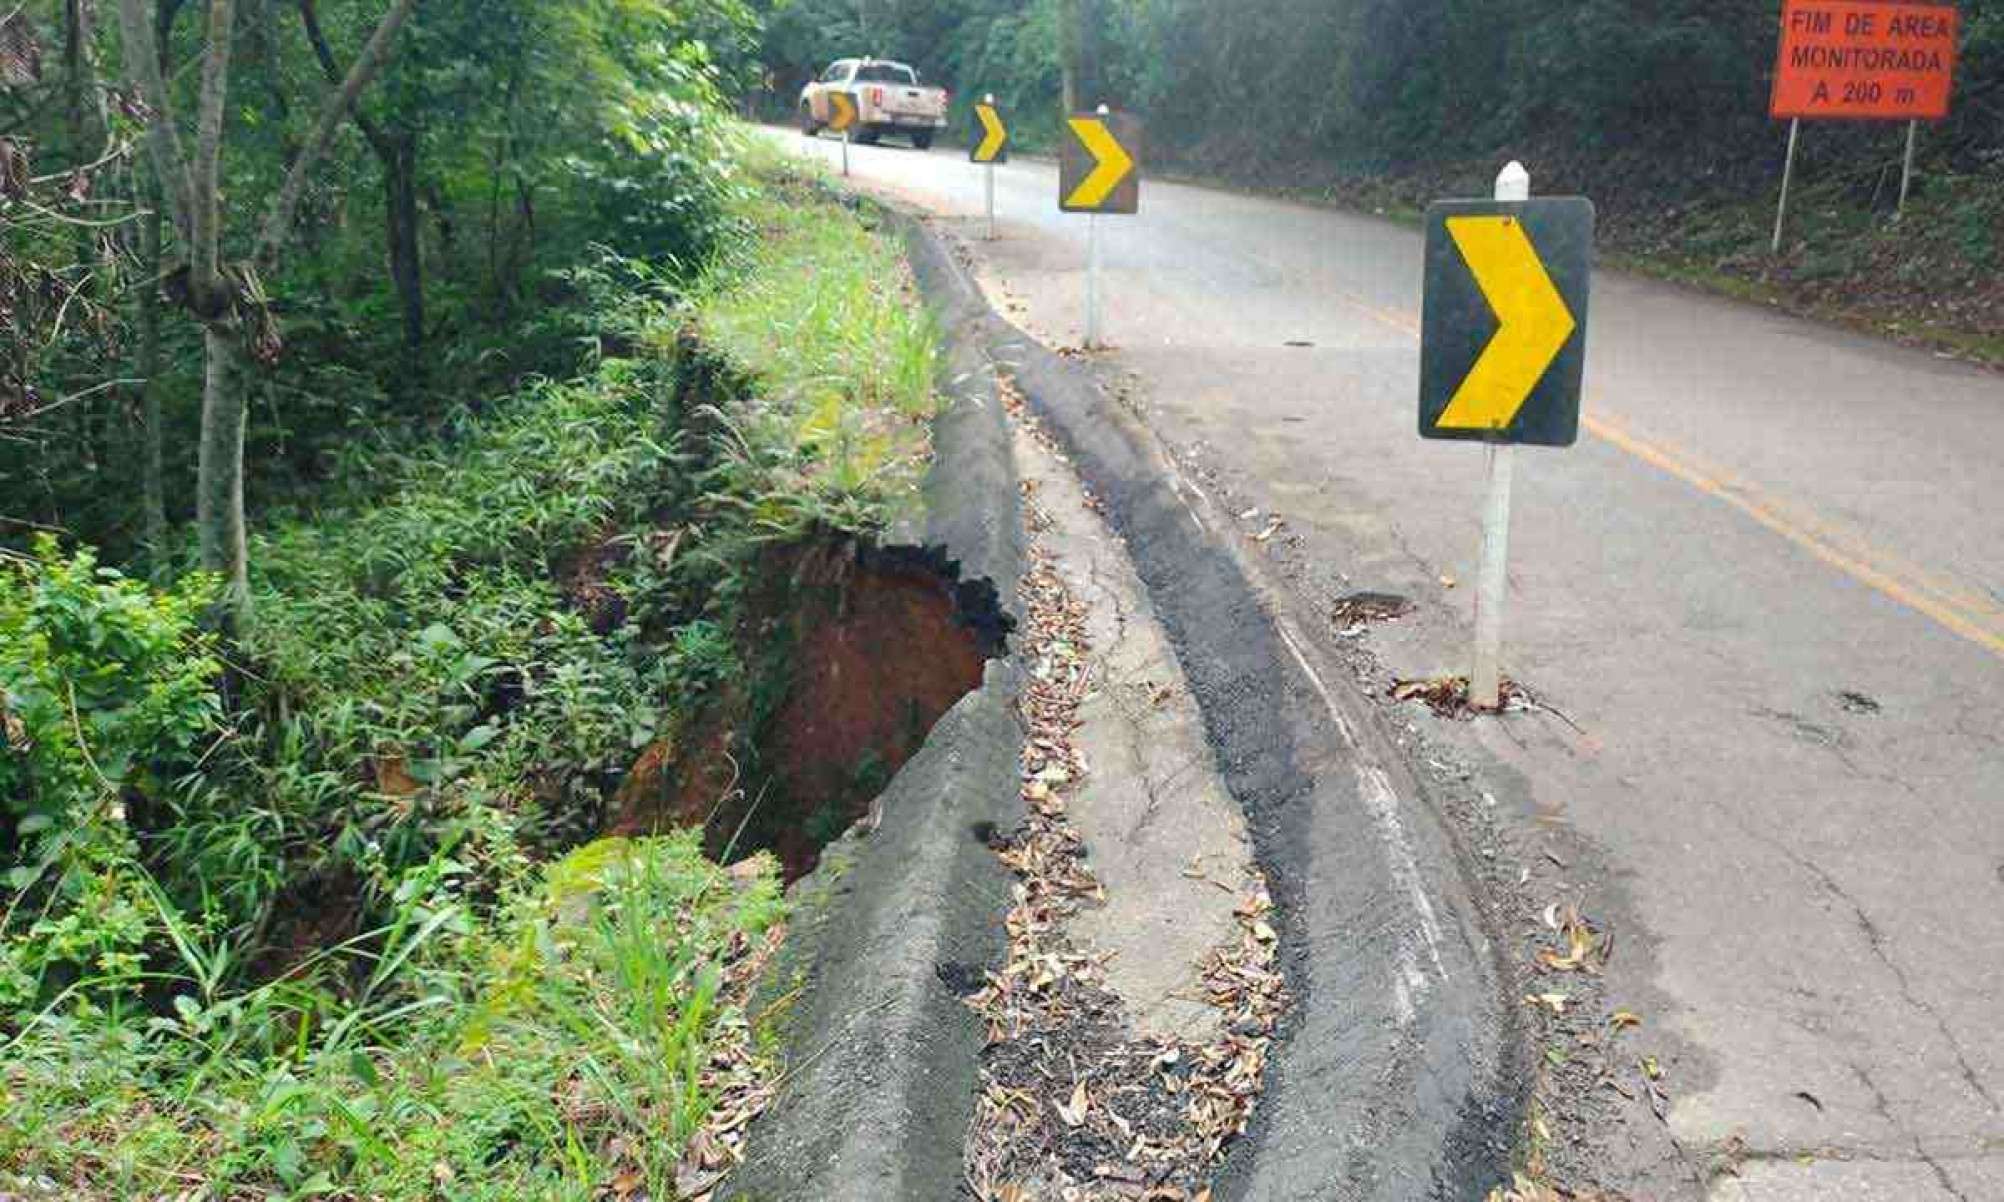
[1768,588]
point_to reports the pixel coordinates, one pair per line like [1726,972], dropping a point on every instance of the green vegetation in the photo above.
[304,894]
[289,926]
[843,357]
[543,1049]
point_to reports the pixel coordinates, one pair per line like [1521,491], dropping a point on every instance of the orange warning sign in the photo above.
[1884,61]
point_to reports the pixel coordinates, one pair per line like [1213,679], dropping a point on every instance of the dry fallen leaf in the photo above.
[1580,948]
[1074,1113]
[1624,1019]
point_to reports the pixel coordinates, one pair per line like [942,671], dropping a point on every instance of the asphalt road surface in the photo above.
[1766,591]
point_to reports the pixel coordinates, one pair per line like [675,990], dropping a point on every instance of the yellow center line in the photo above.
[1917,594]
[1966,612]
[1975,617]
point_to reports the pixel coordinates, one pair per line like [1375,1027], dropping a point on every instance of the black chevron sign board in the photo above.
[1503,350]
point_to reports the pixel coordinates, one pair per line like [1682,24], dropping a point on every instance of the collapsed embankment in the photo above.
[358,870]
[1395,1076]
[903,918]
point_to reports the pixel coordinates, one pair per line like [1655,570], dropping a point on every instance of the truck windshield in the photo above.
[886,73]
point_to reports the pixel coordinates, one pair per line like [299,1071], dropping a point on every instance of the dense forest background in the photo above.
[1657,109]
[1376,82]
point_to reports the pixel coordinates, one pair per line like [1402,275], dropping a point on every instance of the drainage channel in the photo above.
[1129,1029]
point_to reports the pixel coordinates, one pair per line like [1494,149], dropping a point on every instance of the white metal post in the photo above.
[1485,688]
[1787,179]
[1092,338]
[1907,173]
[845,154]
[989,100]
[1092,323]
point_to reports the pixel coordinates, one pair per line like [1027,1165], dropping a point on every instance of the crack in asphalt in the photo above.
[1875,939]
[1885,1110]
[1833,741]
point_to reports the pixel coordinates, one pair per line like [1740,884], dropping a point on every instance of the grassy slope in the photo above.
[431,712]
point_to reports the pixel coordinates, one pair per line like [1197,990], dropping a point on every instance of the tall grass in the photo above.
[818,310]
[538,1055]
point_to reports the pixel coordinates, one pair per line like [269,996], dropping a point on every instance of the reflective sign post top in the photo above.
[1099,165]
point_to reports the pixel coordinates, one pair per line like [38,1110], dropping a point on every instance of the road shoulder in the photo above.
[1398,1075]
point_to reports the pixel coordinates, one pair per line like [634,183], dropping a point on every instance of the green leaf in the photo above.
[478,737]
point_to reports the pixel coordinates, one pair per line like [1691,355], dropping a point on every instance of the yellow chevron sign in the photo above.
[1534,317]
[993,146]
[841,112]
[1506,303]
[1099,170]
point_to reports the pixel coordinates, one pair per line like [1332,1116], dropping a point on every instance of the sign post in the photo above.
[1503,357]
[1099,173]
[1092,338]
[1907,169]
[1787,182]
[842,119]
[1862,60]
[991,146]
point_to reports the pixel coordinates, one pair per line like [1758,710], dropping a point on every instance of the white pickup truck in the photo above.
[889,97]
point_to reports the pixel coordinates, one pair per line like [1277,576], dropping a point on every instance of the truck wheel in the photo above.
[922,139]
[807,125]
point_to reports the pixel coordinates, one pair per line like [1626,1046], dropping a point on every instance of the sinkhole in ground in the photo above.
[853,653]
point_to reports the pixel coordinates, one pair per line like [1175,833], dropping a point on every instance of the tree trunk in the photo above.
[400,203]
[220,490]
[151,452]
[1091,88]
[396,150]
[1068,53]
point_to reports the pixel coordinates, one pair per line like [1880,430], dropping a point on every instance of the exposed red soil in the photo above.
[880,656]
[855,653]
[681,783]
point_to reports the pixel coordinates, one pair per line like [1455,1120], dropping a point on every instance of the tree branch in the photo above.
[142,67]
[205,185]
[278,224]
[309,16]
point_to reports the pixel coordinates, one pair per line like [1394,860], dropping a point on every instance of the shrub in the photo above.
[107,688]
